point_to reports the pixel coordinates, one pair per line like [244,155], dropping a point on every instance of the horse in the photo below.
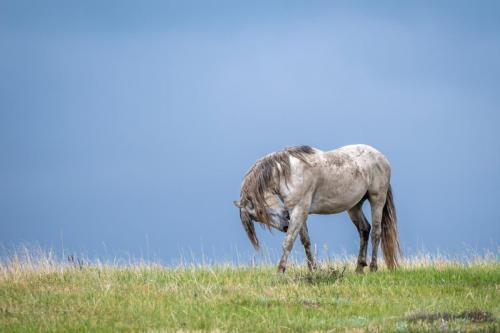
[284,187]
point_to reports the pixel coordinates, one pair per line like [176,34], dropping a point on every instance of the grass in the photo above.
[425,295]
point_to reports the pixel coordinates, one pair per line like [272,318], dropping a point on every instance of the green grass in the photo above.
[421,296]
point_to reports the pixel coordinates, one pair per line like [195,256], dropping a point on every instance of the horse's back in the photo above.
[373,165]
[358,150]
[365,156]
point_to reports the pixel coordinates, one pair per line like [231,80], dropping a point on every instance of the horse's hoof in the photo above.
[359,269]
[311,266]
[281,270]
[373,267]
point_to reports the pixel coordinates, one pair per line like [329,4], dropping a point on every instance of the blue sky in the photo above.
[126,127]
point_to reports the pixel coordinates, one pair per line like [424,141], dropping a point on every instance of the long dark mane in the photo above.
[266,176]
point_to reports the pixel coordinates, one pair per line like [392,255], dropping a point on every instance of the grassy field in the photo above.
[424,296]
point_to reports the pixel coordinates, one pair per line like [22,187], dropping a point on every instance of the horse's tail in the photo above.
[249,228]
[390,239]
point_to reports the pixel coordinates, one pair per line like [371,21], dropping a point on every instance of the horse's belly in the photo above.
[325,206]
[332,200]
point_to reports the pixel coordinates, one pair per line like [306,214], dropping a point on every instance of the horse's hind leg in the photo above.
[359,220]
[304,238]
[377,202]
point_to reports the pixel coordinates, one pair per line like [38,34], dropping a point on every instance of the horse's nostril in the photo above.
[285,228]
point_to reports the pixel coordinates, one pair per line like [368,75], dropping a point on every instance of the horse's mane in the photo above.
[266,175]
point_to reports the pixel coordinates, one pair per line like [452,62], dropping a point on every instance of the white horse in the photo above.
[284,187]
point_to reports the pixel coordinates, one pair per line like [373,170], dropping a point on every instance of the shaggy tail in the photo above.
[390,240]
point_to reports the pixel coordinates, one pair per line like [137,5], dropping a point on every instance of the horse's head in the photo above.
[261,184]
[278,216]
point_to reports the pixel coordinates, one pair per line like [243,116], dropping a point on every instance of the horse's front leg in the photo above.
[297,220]
[306,242]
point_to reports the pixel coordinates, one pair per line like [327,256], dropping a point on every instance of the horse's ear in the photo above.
[237,203]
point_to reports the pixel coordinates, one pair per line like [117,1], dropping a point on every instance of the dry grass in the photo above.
[42,293]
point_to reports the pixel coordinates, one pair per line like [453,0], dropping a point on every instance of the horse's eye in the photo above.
[287,215]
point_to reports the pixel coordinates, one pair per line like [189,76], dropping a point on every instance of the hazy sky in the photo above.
[126,126]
